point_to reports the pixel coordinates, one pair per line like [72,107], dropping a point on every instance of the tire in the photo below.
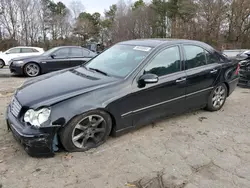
[32,70]
[217,98]
[88,134]
[2,64]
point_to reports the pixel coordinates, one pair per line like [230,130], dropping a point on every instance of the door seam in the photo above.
[164,102]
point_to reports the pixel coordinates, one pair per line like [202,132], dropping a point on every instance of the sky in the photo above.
[92,6]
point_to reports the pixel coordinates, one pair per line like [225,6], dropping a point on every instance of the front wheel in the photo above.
[32,69]
[86,131]
[2,64]
[217,98]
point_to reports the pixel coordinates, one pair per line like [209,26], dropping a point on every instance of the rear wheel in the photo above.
[32,69]
[217,98]
[2,64]
[86,131]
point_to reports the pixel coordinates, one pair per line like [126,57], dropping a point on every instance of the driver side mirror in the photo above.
[148,79]
[53,56]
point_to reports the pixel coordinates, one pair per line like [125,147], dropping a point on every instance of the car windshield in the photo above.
[119,60]
[48,52]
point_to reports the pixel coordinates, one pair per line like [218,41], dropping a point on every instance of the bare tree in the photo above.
[48,23]
[77,7]
[28,18]
[239,20]
[9,15]
[84,29]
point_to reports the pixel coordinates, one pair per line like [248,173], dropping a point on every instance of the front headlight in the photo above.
[37,118]
[18,62]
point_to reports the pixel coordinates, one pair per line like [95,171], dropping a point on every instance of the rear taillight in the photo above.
[238,69]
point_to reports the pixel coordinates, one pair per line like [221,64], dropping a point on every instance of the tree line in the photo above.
[45,23]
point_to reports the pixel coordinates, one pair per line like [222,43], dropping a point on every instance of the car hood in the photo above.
[52,88]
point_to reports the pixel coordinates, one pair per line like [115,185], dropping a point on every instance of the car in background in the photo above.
[131,84]
[52,60]
[231,54]
[20,51]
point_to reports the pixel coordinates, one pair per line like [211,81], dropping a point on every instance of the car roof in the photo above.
[27,47]
[158,41]
[68,47]
[59,47]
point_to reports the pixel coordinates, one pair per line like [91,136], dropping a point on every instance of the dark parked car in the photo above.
[129,85]
[52,60]
[244,61]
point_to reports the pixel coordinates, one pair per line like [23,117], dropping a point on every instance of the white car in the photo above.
[19,51]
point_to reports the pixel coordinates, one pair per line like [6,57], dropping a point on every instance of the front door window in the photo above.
[166,62]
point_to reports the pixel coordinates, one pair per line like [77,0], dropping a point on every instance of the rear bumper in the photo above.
[36,142]
[232,85]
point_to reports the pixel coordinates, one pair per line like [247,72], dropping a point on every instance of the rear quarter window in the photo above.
[212,57]
[222,57]
[34,50]
[85,52]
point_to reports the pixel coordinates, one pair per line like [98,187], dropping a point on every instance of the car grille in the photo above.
[243,68]
[15,107]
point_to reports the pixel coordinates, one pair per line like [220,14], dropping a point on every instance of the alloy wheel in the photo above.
[89,131]
[32,70]
[219,97]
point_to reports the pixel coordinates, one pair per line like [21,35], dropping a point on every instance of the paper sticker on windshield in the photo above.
[142,48]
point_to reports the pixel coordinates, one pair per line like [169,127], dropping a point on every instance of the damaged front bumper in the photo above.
[36,142]
[244,78]
[244,74]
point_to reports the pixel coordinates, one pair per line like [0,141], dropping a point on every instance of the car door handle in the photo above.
[213,71]
[181,80]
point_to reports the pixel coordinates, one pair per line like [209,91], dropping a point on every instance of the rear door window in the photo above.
[195,56]
[27,50]
[76,52]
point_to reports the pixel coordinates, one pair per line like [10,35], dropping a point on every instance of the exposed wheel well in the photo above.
[113,122]
[3,61]
[112,118]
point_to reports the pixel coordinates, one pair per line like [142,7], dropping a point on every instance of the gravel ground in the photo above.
[194,150]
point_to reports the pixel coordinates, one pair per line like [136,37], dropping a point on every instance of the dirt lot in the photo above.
[195,150]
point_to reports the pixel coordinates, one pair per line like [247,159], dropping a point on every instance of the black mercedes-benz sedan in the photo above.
[131,84]
[52,60]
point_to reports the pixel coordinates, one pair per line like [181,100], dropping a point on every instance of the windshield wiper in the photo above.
[97,70]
